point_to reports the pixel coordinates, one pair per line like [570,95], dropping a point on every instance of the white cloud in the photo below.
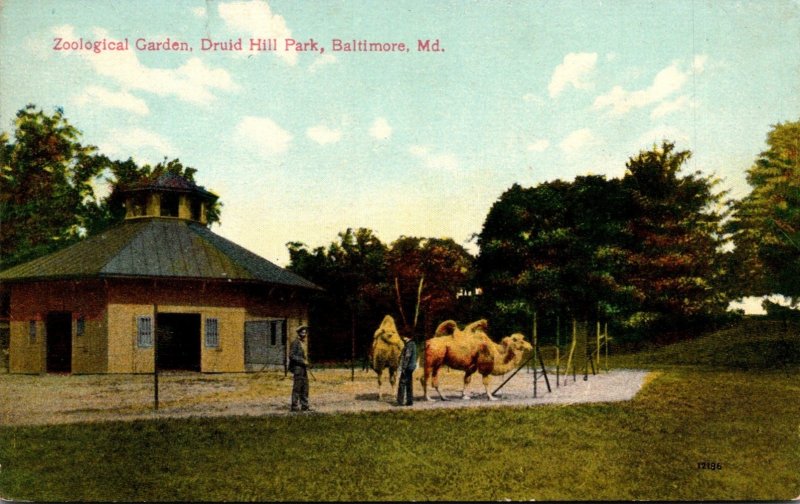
[110,99]
[320,61]
[578,140]
[434,161]
[575,70]
[656,135]
[665,83]
[667,107]
[200,12]
[699,63]
[539,145]
[193,81]
[380,129]
[324,135]
[136,142]
[263,136]
[255,18]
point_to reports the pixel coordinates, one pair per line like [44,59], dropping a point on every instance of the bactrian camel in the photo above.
[471,350]
[385,351]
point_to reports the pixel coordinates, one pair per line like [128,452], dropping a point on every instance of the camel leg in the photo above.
[486,380]
[435,383]
[426,374]
[464,394]
[379,383]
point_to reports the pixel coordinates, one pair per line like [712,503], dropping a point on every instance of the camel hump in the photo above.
[481,325]
[446,328]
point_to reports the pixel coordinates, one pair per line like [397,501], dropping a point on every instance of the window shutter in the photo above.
[212,333]
[144,331]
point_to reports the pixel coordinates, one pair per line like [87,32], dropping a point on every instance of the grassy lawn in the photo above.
[649,448]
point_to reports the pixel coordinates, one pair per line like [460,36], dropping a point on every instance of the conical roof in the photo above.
[156,247]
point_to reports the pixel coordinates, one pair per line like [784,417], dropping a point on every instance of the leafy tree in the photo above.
[353,275]
[46,190]
[554,249]
[47,186]
[427,275]
[414,279]
[766,223]
[674,239]
[644,248]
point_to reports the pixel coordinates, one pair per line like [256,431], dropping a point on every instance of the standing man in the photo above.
[298,364]
[408,363]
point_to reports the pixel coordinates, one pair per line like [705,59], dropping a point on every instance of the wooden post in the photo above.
[571,353]
[606,344]
[535,351]
[587,353]
[558,349]
[353,345]
[597,357]
[155,357]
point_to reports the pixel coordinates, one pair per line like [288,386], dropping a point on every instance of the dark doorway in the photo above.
[179,341]
[59,342]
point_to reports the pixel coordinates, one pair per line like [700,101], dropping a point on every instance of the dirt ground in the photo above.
[57,399]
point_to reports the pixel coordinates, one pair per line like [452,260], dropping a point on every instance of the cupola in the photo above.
[166,195]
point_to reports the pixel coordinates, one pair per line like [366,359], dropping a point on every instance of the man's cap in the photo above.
[302,328]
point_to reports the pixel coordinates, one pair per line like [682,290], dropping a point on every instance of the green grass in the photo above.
[750,345]
[645,449]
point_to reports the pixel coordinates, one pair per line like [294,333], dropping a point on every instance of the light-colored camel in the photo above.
[385,351]
[471,350]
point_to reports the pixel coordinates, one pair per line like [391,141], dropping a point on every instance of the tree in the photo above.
[427,275]
[766,222]
[674,239]
[554,249]
[642,249]
[46,185]
[353,275]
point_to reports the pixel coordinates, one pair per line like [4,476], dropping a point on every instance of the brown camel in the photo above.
[471,350]
[385,351]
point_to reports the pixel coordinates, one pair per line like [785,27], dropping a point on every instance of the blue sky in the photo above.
[301,146]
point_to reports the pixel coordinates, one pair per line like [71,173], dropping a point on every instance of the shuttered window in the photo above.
[212,333]
[144,331]
[80,326]
[32,331]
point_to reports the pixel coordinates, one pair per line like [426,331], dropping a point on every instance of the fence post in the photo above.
[535,350]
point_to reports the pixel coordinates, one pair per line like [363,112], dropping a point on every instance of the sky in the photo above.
[301,145]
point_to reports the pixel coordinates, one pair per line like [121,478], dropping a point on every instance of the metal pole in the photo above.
[155,357]
[353,345]
[512,374]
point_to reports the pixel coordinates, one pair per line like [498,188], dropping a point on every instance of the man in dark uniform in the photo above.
[298,364]
[408,363]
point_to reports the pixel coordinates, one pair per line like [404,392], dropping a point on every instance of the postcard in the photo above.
[346,250]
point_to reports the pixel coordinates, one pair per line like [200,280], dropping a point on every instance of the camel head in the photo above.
[516,342]
[387,331]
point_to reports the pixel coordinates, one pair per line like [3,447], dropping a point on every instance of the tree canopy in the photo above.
[416,280]
[766,223]
[49,186]
[645,248]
